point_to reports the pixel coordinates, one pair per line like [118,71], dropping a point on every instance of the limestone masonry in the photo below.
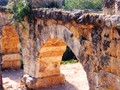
[93,38]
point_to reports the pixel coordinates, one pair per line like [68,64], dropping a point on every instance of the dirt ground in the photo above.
[74,73]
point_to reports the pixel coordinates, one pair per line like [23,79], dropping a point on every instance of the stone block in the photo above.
[74,31]
[113,49]
[11,61]
[115,66]
[109,7]
[108,81]
[37,83]
[11,64]
[11,57]
[44,69]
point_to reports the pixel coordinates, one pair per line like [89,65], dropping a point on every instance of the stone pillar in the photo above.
[117,7]
[46,66]
[10,48]
[111,7]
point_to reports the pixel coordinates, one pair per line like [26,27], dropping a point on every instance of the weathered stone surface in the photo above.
[15,64]
[111,7]
[11,61]
[34,83]
[10,40]
[10,57]
[108,81]
[93,38]
[48,62]
[10,46]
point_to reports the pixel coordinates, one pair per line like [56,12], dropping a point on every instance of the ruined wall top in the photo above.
[80,17]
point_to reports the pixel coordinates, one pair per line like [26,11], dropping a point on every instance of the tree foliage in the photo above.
[20,9]
[83,4]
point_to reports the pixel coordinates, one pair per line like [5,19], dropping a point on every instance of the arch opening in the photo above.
[68,55]
[48,65]
[49,58]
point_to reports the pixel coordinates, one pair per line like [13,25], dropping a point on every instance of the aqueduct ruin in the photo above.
[93,38]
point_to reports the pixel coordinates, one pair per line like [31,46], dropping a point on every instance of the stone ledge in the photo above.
[11,64]
[37,83]
[11,61]
[80,17]
[11,57]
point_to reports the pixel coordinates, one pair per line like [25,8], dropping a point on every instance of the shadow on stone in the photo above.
[66,86]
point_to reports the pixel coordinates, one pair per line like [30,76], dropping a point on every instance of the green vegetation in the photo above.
[52,4]
[82,4]
[20,9]
[69,62]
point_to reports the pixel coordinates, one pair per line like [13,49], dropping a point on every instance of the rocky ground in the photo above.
[74,73]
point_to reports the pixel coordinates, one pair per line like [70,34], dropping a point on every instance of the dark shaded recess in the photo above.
[106,44]
[68,55]
[96,36]
[88,19]
[118,30]
[82,40]
[22,64]
[104,60]
[106,35]
[108,3]
[40,27]
[58,15]
[1,87]
[65,18]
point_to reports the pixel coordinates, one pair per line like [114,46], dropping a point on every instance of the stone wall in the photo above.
[9,43]
[10,48]
[94,39]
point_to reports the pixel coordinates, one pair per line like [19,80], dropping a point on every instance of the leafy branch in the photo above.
[20,9]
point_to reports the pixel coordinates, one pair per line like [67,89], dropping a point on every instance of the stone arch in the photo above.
[49,58]
[62,33]
[52,35]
